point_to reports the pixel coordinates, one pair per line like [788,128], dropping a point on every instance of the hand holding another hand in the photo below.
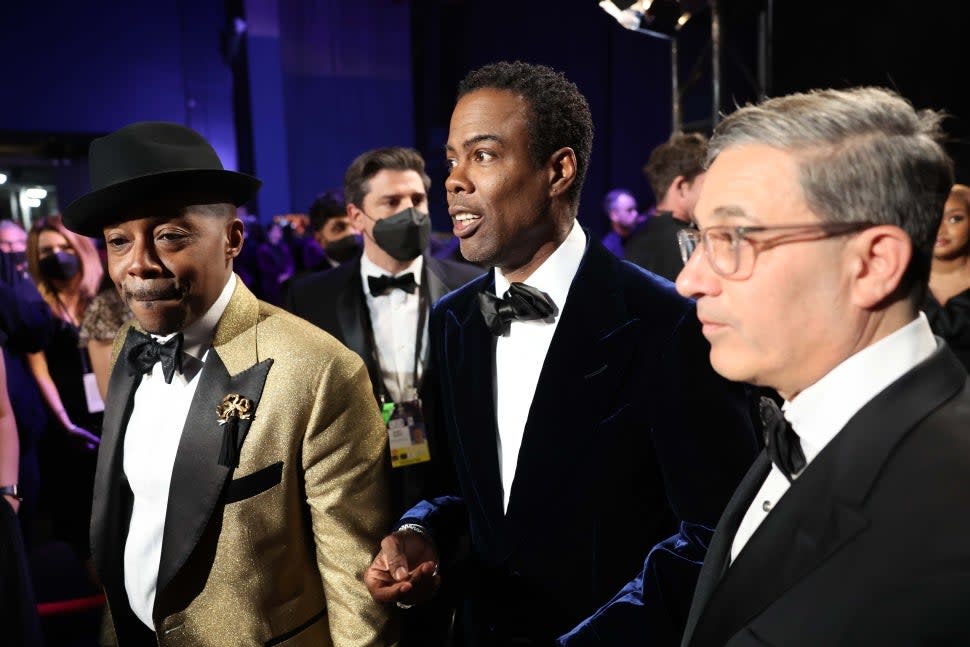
[391,578]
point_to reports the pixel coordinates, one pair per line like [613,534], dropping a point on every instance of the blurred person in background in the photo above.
[18,613]
[621,208]
[334,240]
[100,324]
[275,263]
[67,272]
[26,321]
[947,303]
[675,171]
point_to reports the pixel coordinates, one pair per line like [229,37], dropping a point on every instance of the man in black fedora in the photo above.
[239,490]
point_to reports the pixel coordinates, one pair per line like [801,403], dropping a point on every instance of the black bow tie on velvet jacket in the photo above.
[146,351]
[378,285]
[781,441]
[521,303]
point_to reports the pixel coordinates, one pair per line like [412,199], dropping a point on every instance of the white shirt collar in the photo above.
[820,411]
[370,268]
[556,273]
[197,336]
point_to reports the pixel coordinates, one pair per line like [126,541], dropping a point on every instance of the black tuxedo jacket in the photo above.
[334,301]
[629,433]
[869,546]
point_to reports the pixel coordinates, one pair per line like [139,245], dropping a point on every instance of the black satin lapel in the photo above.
[107,519]
[791,542]
[197,477]
[718,556]
[350,305]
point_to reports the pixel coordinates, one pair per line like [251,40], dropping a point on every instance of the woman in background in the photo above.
[104,317]
[947,305]
[67,272]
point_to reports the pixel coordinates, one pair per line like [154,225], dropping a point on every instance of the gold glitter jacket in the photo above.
[273,551]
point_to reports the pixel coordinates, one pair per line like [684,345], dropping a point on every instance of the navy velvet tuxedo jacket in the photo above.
[870,544]
[630,436]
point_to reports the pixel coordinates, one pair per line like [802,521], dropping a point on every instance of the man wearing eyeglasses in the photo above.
[812,251]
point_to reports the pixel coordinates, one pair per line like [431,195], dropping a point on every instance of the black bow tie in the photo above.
[521,303]
[381,284]
[781,441]
[145,351]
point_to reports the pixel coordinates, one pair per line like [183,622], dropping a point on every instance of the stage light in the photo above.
[660,18]
[36,193]
[3,178]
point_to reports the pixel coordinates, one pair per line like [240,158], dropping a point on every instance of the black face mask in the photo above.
[343,249]
[61,266]
[403,235]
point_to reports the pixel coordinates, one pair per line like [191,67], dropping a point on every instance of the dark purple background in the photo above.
[315,82]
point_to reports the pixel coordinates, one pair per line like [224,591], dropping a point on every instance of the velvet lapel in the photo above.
[579,384]
[197,477]
[436,285]
[824,508]
[468,361]
[108,518]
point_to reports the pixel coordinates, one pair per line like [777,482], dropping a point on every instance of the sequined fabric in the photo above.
[292,556]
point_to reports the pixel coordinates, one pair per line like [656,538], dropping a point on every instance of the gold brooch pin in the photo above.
[234,405]
[234,408]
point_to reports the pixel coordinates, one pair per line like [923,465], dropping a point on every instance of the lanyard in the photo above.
[423,298]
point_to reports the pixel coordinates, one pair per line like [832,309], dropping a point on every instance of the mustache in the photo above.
[153,291]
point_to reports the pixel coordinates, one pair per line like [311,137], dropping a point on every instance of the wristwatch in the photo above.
[11,490]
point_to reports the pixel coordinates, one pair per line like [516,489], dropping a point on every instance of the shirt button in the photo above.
[766,506]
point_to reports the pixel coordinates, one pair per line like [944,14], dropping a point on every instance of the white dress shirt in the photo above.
[520,355]
[394,320]
[818,413]
[150,444]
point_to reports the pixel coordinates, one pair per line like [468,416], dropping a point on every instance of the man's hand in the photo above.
[390,578]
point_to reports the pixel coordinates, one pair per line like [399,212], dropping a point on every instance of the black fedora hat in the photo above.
[152,162]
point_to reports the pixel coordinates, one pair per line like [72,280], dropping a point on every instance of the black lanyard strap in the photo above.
[423,299]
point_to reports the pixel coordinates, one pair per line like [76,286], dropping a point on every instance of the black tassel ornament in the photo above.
[234,408]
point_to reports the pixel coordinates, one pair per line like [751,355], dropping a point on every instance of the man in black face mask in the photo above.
[378,304]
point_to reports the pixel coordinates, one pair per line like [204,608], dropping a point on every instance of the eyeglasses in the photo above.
[731,251]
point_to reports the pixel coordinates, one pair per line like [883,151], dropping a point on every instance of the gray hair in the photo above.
[865,155]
